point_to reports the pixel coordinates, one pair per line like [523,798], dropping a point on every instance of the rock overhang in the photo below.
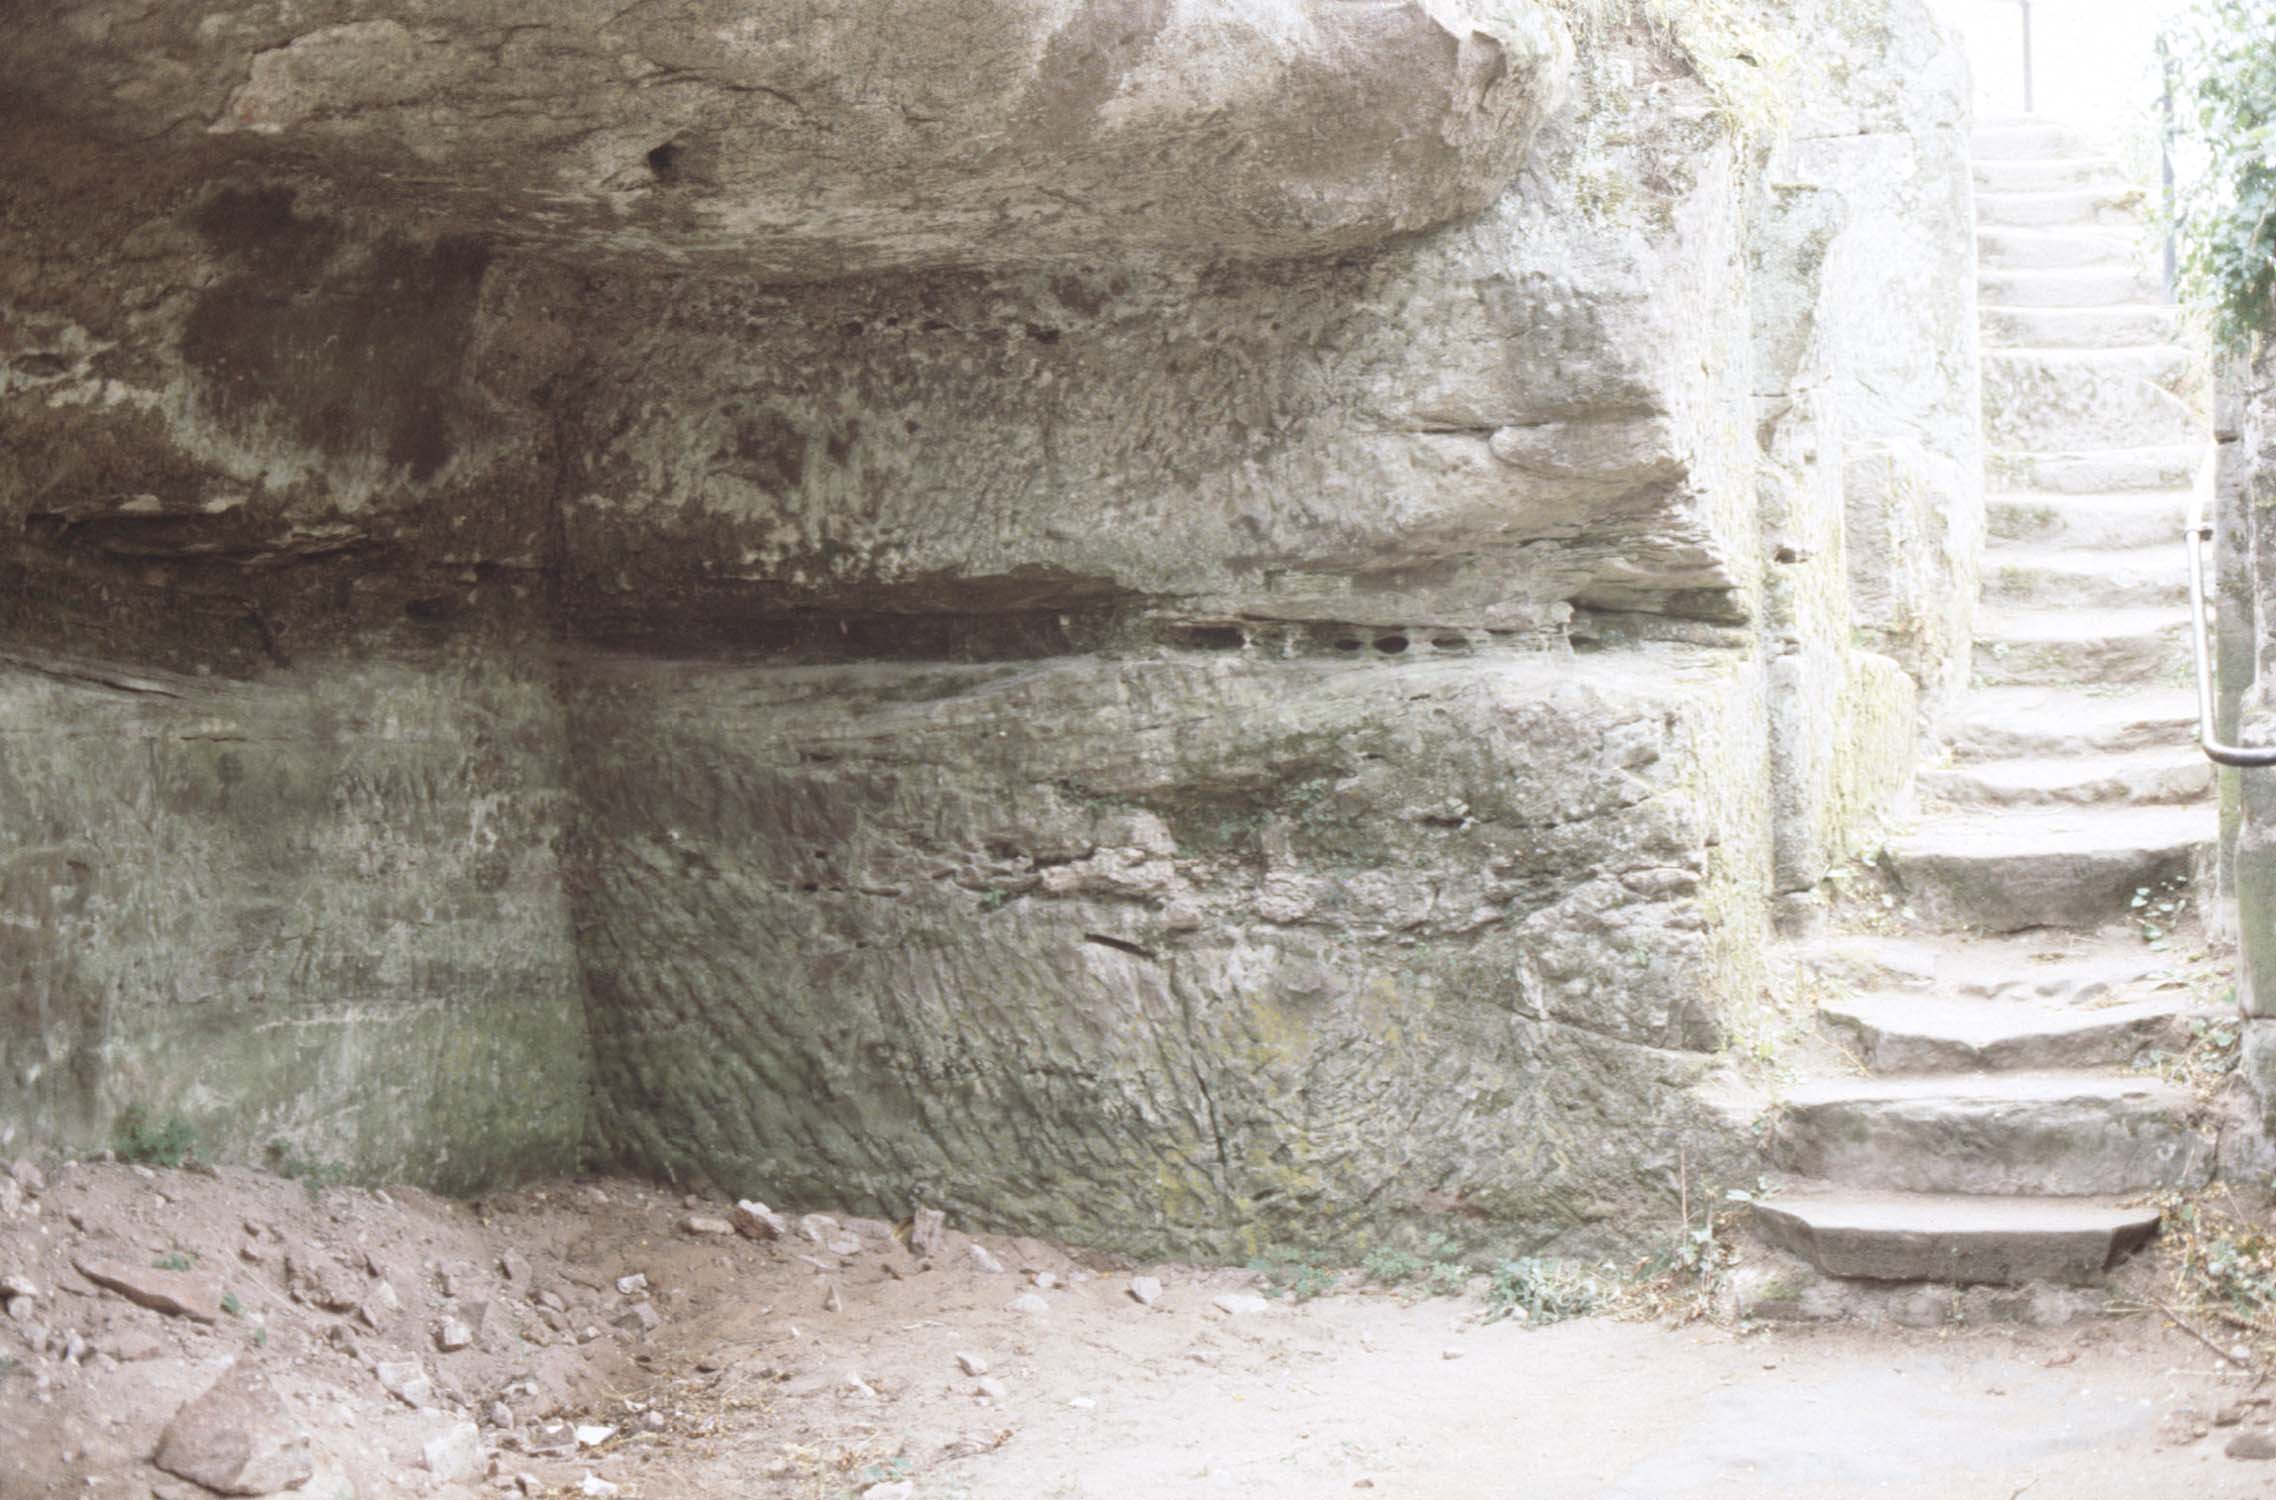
[867,136]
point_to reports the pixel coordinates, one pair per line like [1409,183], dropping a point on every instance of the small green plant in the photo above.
[1435,1270]
[175,1260]
[1546,1291]
[136,1137]
[2157,908]
[1298,1275]
[230,1304]
[311,1173]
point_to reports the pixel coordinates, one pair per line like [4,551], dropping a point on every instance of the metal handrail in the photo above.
[2200,533]
[2030,103]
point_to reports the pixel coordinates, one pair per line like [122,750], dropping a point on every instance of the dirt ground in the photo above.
[753,1369]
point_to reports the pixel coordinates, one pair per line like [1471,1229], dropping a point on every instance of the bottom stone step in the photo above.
[1955,1238]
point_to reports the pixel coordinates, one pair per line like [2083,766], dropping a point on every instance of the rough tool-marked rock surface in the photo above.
[2013,1125]
[840,1359]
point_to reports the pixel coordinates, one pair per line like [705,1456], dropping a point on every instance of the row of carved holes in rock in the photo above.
[1340,640]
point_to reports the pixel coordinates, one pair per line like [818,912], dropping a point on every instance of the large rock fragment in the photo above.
[237,1438]
[876,135]
[179,1293]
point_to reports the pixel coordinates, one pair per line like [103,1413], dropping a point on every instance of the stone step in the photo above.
[2083,523]
[2061,249]
[2038,174]
[2179,773]
[2146,644]
[2111,966]
[2015,575]
[2130,326]
[2080,400]
[1952,1238]
[2060,1133]
[2087,286]
[2027,137]
[1910,1033]
[2065,208]
[2100,470]
[2006,870]
[2000,723]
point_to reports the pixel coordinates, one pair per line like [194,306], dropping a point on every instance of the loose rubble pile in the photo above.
[219,1330]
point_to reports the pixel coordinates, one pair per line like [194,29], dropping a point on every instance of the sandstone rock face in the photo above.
[1108,729]
[1171,936]
[880,135]
[258,895]
[1882,122]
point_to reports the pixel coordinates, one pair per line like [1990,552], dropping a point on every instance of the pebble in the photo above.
[452,1335]
[1235,1304]
[1082,1403]
[992,1388]
[632,1285]
[513,1265]
[831,1301]
[2256,1447]
[705,1224]
[405,1381]
[1029,1303]
[927,1228]
[844,1244]
[1145,1290]
[1449,1354]
[13,1285]
[551,1437]
[593,1484]
[454,1455]
[972,1364]
[891,1489]
[640,1317]
[27,1175]
[754,1220]
[1045,1281]
[593,1434]
[817,1227]
[987,1262]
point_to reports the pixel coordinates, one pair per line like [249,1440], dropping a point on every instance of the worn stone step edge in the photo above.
[2102,471]
[2137,778]
[1956,1239]
[2018,577]
[1916,1033]
[2090,969]
[2020,248]
[2088,523]
[2029,721]
[2067,1133]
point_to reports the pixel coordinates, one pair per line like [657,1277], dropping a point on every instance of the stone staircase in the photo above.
[1997,1129]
